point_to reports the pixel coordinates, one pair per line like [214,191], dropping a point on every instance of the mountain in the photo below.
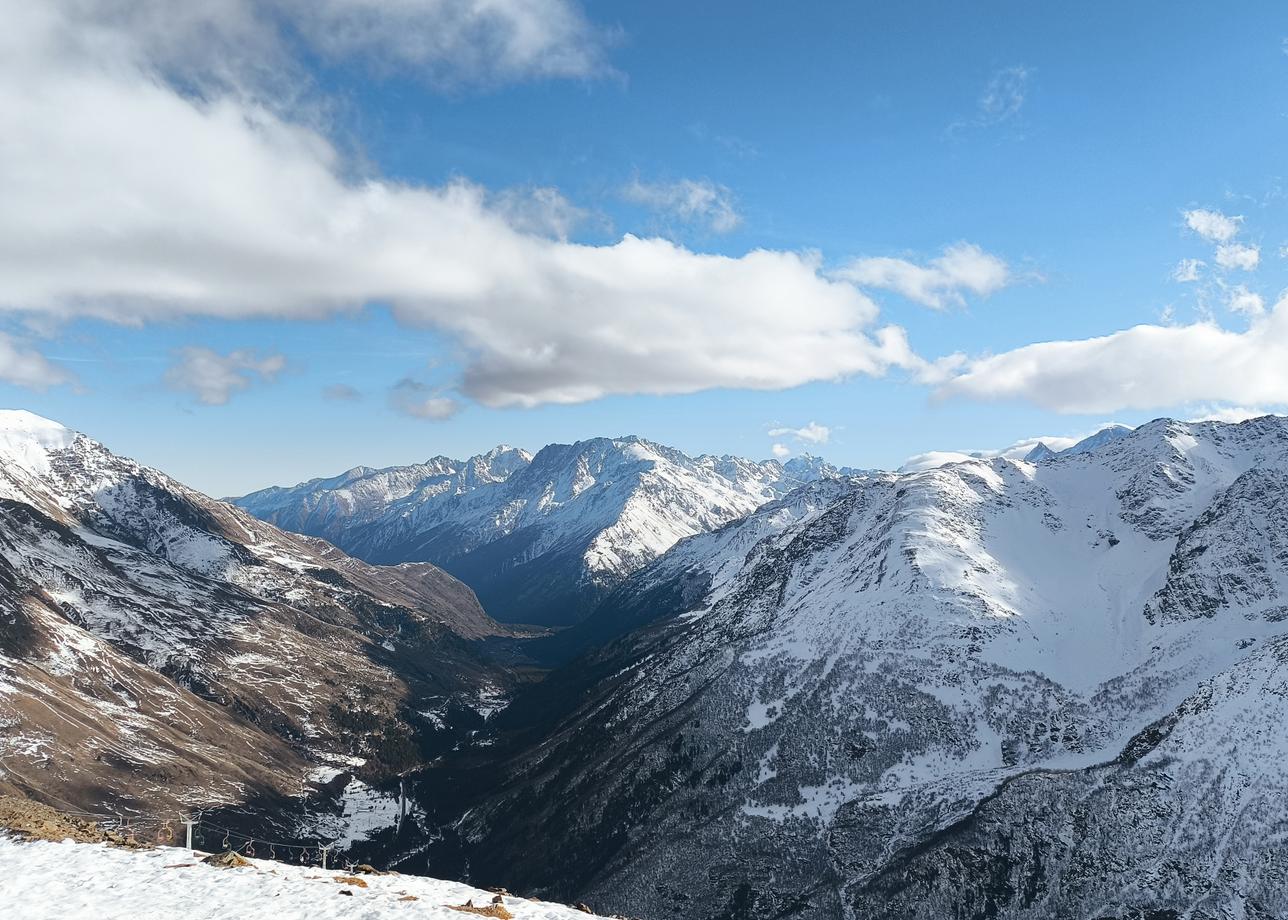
[1099,439]
[992,689]
[541,538]
[158,646]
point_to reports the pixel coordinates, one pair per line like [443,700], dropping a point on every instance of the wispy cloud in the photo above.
[212,378]
[940,283]
[1212,225]
[27,367]
[420,400]
[1238,255]
[543,211]
[1000,101]
[812,433]
[1242,300]
[341,392]
[694,201]
[1187,270]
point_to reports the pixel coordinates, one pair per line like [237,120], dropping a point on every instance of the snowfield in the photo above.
[63,881]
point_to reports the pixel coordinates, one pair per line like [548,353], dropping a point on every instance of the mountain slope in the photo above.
[996,688]
[157,645]
[540,538]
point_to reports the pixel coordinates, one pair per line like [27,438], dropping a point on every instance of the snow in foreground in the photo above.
[70,881]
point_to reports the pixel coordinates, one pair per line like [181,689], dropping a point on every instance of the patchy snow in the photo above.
[363,811]
[68,881]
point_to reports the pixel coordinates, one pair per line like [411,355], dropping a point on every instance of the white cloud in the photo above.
[781,451]
[1212,225]
[1238,255]
[27,367]
[698,201]
[129,201]
[1187,270]
[1242,300]
[1229,414]
[212,378]
[934,459]
[1145,367]
[813,433]
[963,267]
[419,400]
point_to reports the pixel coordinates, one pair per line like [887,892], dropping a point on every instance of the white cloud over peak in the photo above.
[128,200]
[1238,255]
[934,459]
[1145,367]
[813,433]
[781,451]
[697,201]
[212,378]
[940,283]
[1229,414]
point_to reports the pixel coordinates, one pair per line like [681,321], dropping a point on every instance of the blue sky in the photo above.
[166,293]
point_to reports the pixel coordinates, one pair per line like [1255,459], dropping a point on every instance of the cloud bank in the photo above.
[129,200]
[1144,367]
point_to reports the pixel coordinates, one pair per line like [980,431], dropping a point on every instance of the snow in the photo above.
[27,439]
[76,881]
[364,811]
[619,502]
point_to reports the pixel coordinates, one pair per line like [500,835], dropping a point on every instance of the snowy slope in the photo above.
[157,645]
[995,688]
[540,538]
[71,881]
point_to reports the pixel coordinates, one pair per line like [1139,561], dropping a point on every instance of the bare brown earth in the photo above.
[34,821]
[162,651]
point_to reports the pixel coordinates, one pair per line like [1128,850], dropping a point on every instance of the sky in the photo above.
[251,242]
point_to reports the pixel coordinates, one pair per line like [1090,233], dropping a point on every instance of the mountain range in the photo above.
[1018,688]
[994,689]
[540,537]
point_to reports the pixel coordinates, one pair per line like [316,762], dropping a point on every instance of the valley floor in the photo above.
[70,881]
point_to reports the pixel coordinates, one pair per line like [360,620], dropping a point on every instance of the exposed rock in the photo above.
[226,860]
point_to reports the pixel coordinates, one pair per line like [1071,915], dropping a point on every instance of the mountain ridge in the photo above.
[541,537]
[157,645]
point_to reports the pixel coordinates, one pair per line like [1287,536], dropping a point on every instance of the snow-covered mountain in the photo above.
[539,537]
[992,689]
[158,645]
